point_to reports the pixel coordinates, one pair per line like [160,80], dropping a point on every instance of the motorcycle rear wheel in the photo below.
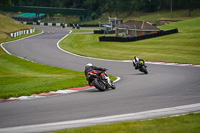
[99,84]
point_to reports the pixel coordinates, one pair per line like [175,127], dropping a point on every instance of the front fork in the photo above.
[105,75]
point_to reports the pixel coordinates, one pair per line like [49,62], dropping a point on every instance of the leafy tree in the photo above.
[97,7]
[5,2]
[191,5]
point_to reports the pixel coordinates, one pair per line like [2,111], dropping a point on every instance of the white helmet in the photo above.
[89,64]
[136,59]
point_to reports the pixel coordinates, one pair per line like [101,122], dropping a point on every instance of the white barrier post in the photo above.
[19,33]
[11,34]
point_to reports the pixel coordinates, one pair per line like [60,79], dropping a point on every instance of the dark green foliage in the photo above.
[100,6]
[5,2]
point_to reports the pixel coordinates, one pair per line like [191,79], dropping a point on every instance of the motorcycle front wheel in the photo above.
[99,84]
[144,70]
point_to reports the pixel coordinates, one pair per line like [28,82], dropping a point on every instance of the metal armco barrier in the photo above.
[46,24]
[19,33]
[60,24]
[131,39]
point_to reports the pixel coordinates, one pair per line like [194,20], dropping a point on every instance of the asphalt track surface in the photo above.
[164,87]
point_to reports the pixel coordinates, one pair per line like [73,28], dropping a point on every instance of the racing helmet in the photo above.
[136,59]
[89,64]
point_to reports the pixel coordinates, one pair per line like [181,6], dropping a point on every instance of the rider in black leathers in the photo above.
[89,67]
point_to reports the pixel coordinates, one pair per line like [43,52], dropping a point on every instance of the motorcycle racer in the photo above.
[89,68]
[136,62]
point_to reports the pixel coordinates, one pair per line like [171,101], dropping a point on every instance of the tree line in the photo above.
[98,7]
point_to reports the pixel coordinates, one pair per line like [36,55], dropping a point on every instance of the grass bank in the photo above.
[9,25]
[181,124]
[182,47]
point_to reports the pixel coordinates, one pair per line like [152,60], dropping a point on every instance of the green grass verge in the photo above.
[20,77]
[181,124]
[183,47]
[81,31]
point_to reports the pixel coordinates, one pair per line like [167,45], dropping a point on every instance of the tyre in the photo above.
[99,84]
[113,86]
[144,70]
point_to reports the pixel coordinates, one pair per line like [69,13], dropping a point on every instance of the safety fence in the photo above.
[89,25]
[104,32]
[22,32]
[46,24]
[131,39]
[61,24]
